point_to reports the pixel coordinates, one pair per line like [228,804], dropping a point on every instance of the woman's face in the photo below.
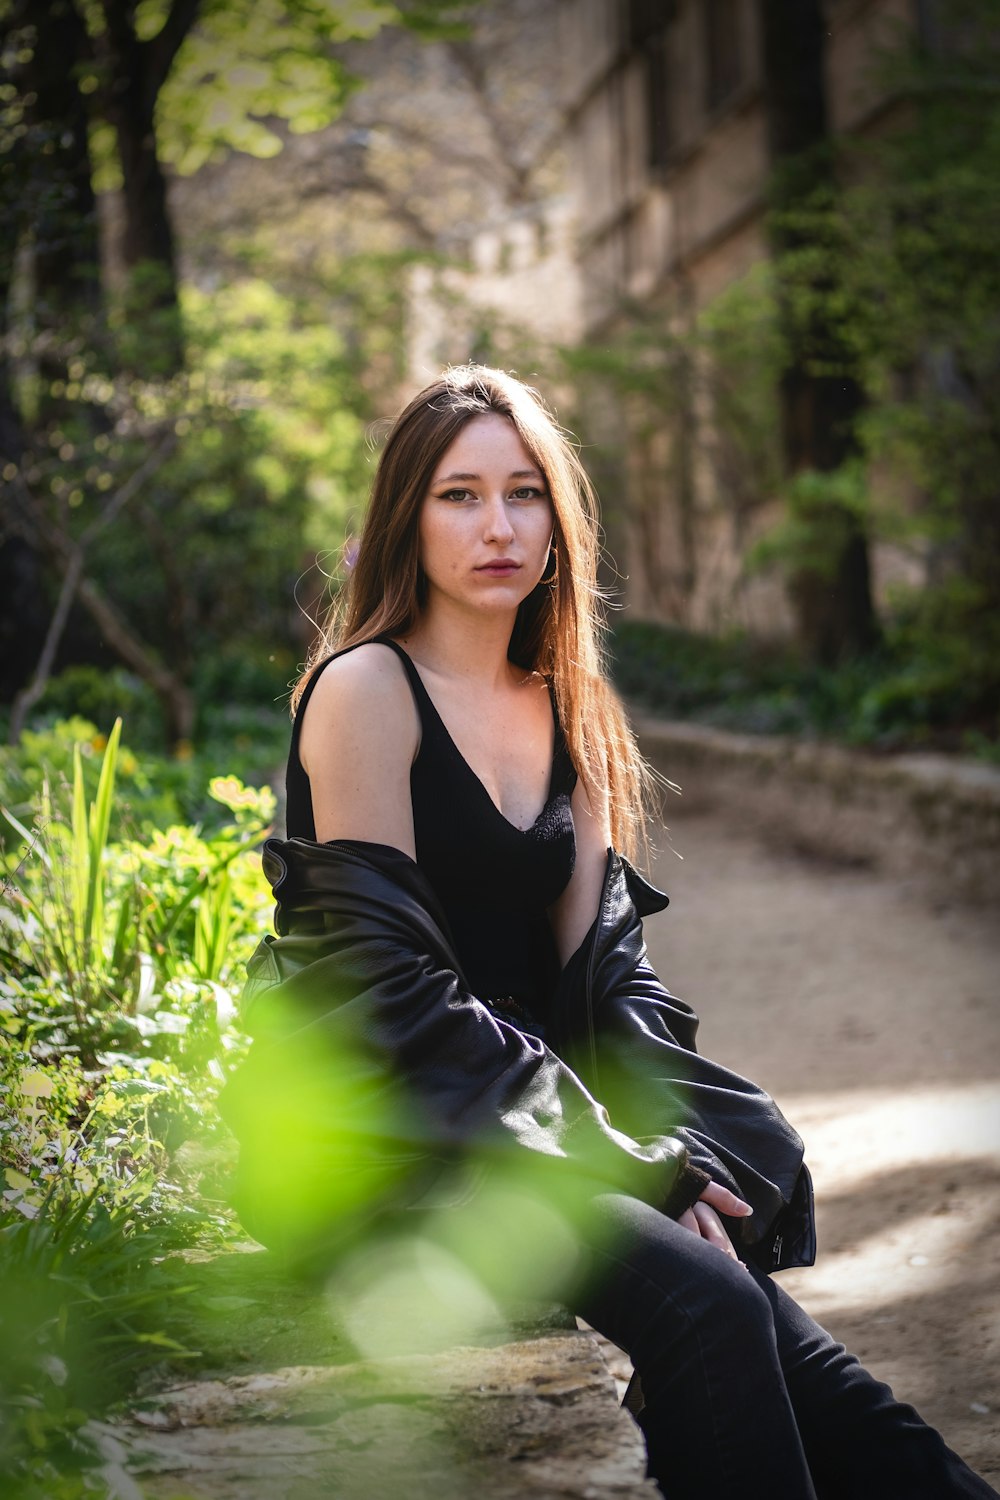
[486,519]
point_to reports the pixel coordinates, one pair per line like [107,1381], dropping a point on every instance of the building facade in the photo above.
[669,148]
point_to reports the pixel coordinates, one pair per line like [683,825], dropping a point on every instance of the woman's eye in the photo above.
[527,492]
[456,495]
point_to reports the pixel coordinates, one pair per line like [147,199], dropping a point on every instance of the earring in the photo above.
[554,575]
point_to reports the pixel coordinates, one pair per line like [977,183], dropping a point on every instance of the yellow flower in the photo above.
[231,792]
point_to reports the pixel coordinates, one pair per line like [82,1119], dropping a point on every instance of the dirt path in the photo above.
[875,1022]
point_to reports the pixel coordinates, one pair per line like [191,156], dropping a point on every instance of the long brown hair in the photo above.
[559,627]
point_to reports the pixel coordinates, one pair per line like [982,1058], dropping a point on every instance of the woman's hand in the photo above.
[702,1218]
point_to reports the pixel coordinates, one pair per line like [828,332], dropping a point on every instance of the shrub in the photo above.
[122,958]
[920,689]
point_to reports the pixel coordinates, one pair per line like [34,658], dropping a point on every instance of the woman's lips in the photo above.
[499,569]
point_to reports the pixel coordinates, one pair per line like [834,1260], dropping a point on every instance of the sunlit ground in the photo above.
[874,1020]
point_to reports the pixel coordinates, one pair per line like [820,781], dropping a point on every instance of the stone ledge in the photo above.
[538,1417]
[925,818]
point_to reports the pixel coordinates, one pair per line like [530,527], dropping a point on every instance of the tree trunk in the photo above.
[48,213]
[136,73]
[833,606]
[15,179]
[65,244]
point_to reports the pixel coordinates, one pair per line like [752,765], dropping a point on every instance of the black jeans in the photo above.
[745,1394]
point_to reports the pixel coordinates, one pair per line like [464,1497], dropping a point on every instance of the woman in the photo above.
[460,974]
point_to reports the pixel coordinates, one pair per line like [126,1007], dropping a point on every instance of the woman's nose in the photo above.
[497,527]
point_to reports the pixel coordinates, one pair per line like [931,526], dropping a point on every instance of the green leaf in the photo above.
[228,1303]
[35,1084]
[79,871]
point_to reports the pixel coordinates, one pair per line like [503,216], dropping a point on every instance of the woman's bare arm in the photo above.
[359,737]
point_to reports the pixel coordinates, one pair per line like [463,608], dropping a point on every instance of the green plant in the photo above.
[67,905]
[87,1291]
[917,690]
[122,962]
[820,508]
[101,697]
[100,923]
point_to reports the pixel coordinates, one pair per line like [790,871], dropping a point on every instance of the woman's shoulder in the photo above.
[360,697]
[372,666]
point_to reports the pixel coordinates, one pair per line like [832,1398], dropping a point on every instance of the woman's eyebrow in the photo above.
[514,474]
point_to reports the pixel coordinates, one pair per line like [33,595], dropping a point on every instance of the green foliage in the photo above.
[918,691]
[667,371]
[154,791]
[85,1290]
[944,682]
[170,488]
[107,927]
[301,440]
[250,69]
[198,498]
[122,958]
[731,682]
[101,697]
[222,472]
[903,263]
[742,352]
[821,508]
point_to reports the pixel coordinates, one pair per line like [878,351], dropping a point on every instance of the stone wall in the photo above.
[519,278]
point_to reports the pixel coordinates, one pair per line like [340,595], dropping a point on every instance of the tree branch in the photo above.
[475,69]
[74,555]
[361,181]
[161,49]
[25,700]
[135,654]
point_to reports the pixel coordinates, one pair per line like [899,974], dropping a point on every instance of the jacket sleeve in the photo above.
[634,1044]
[362,1006]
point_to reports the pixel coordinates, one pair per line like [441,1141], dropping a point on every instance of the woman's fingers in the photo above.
[703,1221]
[725,1202]
[687,1220]
[710,1228]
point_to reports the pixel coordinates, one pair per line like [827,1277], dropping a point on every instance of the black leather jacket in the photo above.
[633,1043]
[374,1077]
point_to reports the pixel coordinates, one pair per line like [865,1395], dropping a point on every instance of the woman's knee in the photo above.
[662,1270]
[724,1292]
[740,1298]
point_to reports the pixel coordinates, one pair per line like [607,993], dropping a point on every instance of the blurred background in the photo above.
[747,249]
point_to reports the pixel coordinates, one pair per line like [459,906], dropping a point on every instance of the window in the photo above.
[648,22]
[659,116]
[723,51]
[646,18]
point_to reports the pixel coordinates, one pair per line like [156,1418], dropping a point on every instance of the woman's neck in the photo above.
[467,648]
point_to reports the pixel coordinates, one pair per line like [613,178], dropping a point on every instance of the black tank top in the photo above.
[493,879]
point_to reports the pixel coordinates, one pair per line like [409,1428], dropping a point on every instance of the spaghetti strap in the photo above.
[423,698]
[300,821]
[495,880]
[433,729]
